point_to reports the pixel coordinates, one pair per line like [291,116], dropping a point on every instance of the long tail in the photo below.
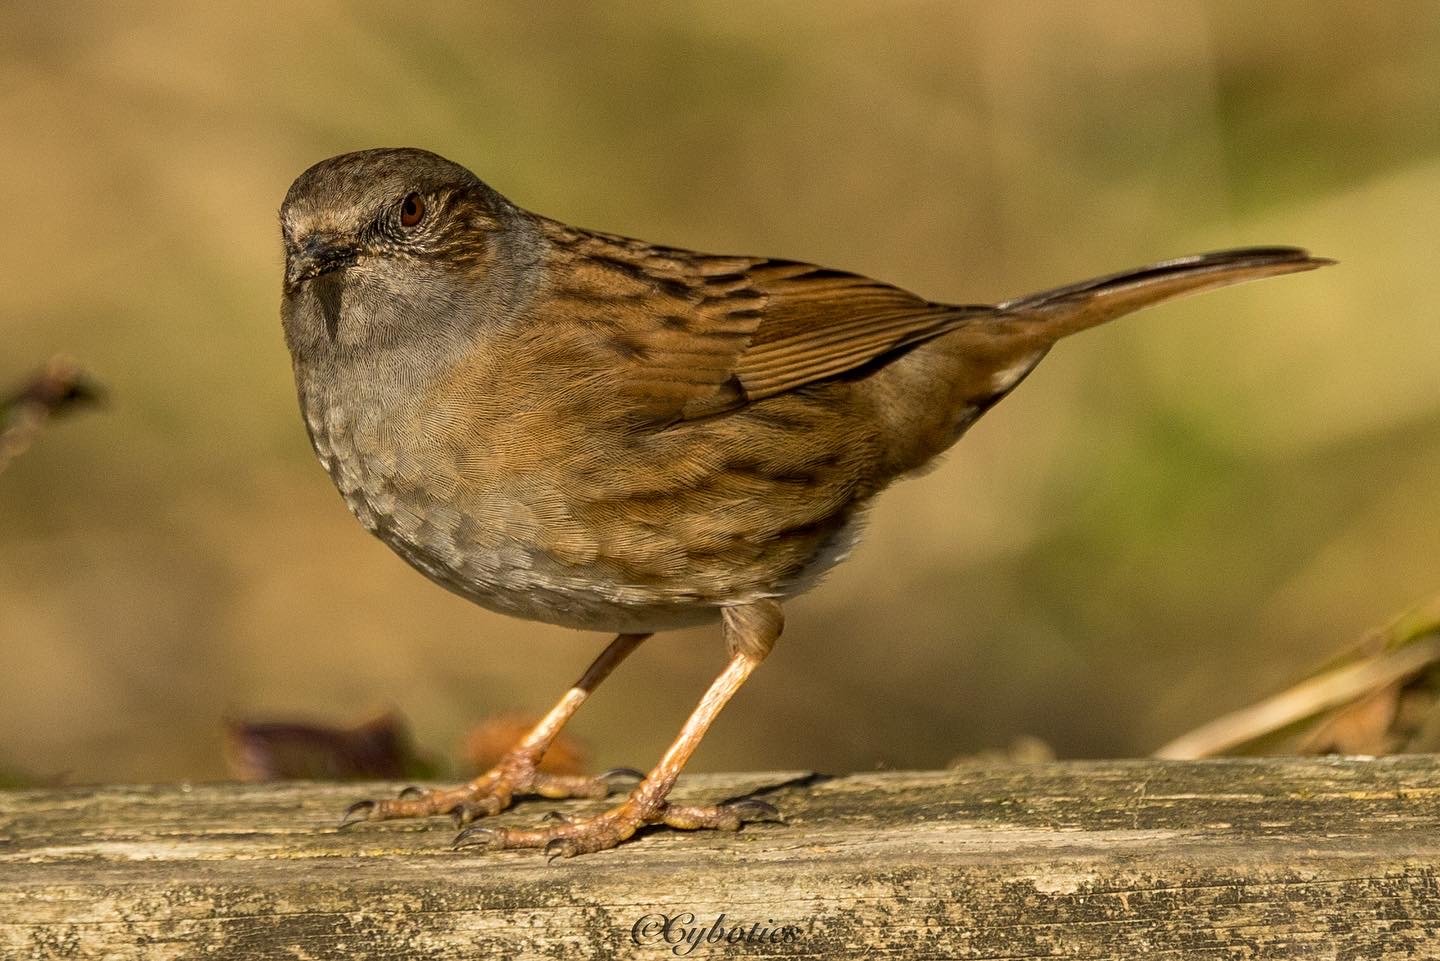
[929,403]
[1073,308]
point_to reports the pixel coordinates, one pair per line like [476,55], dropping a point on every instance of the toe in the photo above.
[474,808]
[557,786]
[720,817]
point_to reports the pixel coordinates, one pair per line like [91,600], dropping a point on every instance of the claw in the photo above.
[477,836]
[754,809]
[555,816]
[355,813]
[560,848]
[621,773]
[411,790]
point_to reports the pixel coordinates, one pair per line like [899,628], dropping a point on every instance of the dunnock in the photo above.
[603,433]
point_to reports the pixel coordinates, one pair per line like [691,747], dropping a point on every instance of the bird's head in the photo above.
[378,240]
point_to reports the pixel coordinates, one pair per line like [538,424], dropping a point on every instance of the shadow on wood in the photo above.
[1273,858]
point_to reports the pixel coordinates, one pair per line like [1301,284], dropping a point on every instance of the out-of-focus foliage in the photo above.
[1380,697]
[379,748]
[1173,517]
[278,750]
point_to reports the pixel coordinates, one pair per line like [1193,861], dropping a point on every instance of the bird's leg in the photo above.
[750,633]
[515,774]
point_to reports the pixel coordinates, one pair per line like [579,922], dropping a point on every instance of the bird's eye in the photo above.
[412,210]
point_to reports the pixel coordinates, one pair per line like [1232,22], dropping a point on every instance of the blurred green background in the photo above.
[1176,514]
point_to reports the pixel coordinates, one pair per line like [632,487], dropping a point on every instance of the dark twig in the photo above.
[59,387]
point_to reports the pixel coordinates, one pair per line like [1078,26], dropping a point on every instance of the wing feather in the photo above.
[699,334]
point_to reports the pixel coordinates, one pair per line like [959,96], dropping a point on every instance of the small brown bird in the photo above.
[594,431]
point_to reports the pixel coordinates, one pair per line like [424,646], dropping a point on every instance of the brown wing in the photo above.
[699,334]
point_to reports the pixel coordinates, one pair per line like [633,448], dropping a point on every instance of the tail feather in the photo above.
[1075,307]
[930,396]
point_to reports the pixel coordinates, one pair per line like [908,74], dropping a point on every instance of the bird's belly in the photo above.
[500,551]
[510,575]
[516,578]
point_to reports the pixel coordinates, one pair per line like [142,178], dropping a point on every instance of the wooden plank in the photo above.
[1265,858]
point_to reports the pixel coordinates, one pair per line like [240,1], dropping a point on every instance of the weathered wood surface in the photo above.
[1273,858]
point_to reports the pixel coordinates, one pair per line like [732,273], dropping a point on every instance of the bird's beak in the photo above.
[317,255]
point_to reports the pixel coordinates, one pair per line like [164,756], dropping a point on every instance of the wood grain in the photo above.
[1235,858]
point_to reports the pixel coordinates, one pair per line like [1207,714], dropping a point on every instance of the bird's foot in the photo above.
[489,794]
[569,837]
